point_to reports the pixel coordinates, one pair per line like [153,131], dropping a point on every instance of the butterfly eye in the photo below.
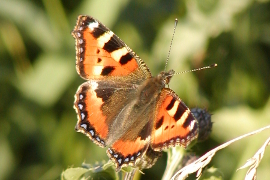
[167,79]
[167,76]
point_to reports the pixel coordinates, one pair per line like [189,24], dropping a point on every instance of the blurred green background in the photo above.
[38,77]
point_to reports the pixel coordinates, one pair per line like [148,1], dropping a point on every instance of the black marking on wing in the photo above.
[107,70]
[159,123]
[111,46]
[145,132]
[188,120]
[105,94]
[125,59]
[170,106]
[180,111]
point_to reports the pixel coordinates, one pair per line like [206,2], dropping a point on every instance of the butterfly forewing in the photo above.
[101,54]
[174,123]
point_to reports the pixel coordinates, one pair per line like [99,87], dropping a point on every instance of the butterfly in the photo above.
[121,105]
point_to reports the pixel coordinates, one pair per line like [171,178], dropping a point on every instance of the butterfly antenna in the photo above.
[175,24]
[198,69]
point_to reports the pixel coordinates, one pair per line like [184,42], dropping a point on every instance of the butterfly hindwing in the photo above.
[98,104]
[131,147]
[174,123]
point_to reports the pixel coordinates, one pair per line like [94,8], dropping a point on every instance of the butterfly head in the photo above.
[165,76]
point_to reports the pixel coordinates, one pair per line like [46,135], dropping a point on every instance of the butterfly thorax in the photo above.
[151,88]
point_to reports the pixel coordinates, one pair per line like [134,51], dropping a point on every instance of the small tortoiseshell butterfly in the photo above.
[121,105]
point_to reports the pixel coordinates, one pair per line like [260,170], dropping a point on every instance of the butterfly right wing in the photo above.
[174,123]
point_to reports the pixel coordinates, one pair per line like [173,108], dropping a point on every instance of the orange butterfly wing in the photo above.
[174,123]
[101,54]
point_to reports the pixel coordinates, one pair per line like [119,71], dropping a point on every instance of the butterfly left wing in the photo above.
[102,55]
[174,124]
[114,72]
